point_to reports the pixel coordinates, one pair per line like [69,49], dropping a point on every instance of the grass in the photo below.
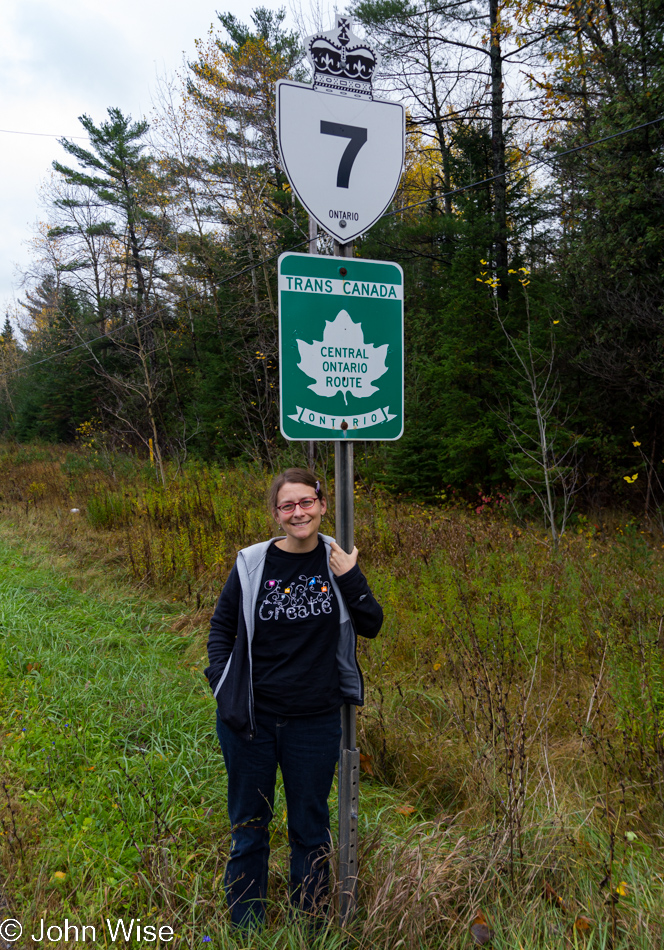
[512,736]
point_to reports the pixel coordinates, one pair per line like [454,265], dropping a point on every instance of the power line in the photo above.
[417,204]
[47,135]
[536,161]
[148,316]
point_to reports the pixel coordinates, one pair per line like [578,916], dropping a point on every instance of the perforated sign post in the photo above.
[340,348]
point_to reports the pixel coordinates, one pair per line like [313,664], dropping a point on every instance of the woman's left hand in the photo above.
[340,561]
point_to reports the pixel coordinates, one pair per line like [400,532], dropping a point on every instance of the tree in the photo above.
[55,390]
[605,77]
[9,363]
[121,180]
[452,339]
[122,185]
[542,451]
[240,206]
[449,60]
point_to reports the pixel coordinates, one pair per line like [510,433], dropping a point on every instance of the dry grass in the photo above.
[502,750]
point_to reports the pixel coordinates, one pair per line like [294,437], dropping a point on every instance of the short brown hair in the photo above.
[295,476]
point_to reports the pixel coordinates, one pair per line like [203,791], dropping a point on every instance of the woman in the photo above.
[282,662]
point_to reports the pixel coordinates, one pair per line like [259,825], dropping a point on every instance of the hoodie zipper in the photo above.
[252,721]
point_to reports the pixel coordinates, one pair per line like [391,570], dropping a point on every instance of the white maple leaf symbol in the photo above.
[342,361]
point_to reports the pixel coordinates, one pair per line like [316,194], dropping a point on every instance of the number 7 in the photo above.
[357,136]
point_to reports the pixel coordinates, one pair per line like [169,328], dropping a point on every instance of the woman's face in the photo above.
[300,525]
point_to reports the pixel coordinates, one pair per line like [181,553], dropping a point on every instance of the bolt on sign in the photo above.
[340,348]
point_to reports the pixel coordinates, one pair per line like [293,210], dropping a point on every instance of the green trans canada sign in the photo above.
[340,348]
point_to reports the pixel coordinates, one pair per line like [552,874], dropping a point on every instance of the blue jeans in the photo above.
[306,749]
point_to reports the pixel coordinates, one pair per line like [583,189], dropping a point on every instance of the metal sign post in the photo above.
[349,754]
[313,249]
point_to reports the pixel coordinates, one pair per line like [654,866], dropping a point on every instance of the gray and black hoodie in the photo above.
[232,630]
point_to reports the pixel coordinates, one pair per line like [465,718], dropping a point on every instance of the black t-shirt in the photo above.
[294,649]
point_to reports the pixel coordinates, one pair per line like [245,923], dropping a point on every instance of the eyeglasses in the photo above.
[289,506]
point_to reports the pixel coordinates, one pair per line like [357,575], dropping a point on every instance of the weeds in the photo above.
[512,736]
[495,709]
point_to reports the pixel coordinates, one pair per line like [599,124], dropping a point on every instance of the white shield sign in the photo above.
[343,155]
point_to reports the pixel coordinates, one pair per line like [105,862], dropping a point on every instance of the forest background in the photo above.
[533,274]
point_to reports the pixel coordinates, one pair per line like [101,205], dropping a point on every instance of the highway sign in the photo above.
[340,348]
[342,150]
[343,156]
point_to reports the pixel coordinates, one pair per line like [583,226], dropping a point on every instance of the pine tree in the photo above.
[9,364]
[123,184]
[56,389]
[124,181]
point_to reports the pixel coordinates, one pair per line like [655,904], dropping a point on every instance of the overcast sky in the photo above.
[59,60]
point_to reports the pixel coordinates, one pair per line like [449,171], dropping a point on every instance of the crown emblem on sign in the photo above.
[342,62]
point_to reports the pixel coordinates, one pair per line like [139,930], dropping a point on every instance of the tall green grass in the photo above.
[512,736]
